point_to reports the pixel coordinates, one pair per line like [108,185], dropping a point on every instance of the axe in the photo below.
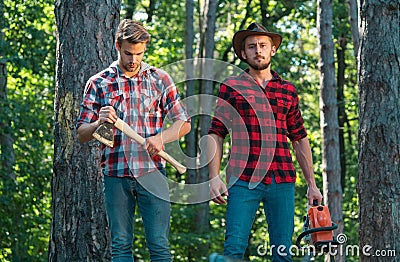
[104,133]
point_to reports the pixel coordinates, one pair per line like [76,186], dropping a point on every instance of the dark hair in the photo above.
[132,31]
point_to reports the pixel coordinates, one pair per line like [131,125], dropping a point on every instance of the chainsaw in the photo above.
[317,228]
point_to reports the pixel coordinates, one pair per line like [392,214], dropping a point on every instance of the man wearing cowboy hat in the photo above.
[261,110]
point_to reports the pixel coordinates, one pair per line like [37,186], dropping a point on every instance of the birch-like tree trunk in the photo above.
[342,116]
[353,20]
[379,138]
[191,145]
[85,45]
[202,214]
[329,116]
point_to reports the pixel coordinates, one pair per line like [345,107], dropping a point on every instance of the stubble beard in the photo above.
[259,67]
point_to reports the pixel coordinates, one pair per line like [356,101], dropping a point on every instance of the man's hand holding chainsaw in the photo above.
[302,150]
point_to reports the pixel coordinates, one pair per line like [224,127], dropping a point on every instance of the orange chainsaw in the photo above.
[318,227]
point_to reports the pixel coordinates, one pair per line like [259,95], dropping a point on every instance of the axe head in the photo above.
[105,134]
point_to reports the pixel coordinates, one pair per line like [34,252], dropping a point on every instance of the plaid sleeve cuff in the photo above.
[295,123]
[218,128]
[89,107]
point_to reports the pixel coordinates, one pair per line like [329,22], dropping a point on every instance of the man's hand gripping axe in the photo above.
[104,133]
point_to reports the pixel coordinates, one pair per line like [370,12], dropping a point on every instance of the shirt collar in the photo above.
[145,69]
[275,75]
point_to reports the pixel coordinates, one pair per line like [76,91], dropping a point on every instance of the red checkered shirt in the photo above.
[259,121]
[143,101]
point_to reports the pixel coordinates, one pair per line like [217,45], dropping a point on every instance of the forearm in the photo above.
[303,154]
[86,130]
[177,130]
[214,154]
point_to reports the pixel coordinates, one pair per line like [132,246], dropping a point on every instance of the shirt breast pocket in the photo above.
[116,99]
[151,103]
[245,104]
[282,108]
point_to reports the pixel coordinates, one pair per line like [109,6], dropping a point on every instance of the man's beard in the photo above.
[256,66]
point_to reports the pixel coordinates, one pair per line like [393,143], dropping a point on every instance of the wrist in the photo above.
[96,123]
[311,184]
[213,175]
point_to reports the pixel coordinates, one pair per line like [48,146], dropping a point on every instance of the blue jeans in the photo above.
[121,196]
[278,200]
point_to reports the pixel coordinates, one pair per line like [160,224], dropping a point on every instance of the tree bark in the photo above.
[329,116]
[342,116]
[202,215]
[191,145]
[85,45]
[379,139]
[228,49]
[353,19]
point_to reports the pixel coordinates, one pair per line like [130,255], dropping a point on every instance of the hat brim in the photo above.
[240,36]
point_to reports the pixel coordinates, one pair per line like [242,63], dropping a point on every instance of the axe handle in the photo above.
[127,130]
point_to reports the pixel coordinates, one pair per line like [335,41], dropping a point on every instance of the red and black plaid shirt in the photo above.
[259,121]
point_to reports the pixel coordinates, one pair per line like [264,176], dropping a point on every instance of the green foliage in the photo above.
[25,210]
[29,46]
[167,32]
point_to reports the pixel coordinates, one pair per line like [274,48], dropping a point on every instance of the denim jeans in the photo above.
[121,197]
[278,200]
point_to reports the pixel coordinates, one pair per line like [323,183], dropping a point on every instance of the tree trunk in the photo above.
[85,45]
[207,85]
[228,49]
[379,140]
[191,146]
[329,116]
[202,215]
[353,19]
[342,117]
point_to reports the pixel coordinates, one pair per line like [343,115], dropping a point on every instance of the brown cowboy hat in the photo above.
[253,29]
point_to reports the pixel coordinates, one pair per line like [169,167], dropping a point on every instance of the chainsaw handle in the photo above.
[315,202]
[313,230]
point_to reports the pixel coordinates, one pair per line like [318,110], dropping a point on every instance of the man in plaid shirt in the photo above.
[142,96]
[261,112]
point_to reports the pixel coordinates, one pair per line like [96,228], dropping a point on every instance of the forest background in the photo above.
[28,48]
